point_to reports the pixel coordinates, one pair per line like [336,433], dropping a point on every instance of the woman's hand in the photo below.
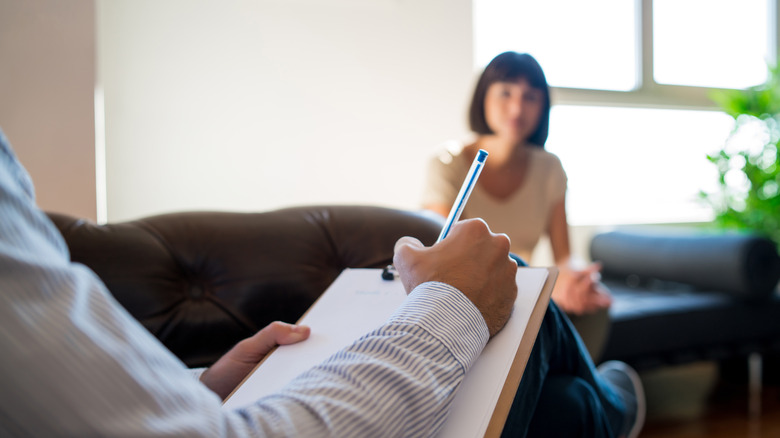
[230,369]
[580,291]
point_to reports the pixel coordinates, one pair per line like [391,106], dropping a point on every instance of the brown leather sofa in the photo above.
[201,281]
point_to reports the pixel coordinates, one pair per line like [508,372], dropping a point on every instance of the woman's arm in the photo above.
[558,230]
[578,290]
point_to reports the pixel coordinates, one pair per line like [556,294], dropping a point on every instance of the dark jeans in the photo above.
[561,393]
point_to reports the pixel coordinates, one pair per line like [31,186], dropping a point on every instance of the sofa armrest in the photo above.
[742,265]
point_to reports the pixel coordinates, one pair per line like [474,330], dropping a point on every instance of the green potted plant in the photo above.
[748,191]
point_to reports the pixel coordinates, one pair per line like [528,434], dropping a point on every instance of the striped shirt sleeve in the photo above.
[75,363]
[398,380]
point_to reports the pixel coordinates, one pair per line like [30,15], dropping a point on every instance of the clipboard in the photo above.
[364,287]
[504,404]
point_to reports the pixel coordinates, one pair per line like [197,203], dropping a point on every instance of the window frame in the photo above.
[648,93]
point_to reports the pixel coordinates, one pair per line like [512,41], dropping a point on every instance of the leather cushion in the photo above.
[202,281]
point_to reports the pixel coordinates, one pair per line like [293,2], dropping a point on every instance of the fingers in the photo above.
[281,333]
[604,297]
[579,292]
[594,271]
[477,230]
[594,301]
[595,267]
[486,274]
[472,259]
[231,368]
[588,278]
[596,298]
[276,333]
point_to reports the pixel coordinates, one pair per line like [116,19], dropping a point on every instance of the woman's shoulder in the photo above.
[546,157]
[445,172]
[547,166]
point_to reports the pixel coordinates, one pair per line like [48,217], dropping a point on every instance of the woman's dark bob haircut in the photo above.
[510,67]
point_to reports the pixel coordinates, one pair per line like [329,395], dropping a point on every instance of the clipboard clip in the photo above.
[389,273]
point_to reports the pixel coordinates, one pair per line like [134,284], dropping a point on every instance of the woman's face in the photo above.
[513,109]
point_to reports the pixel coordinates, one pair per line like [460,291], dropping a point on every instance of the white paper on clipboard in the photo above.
[360,301]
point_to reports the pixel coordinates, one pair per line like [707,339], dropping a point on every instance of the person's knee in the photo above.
[568,406]
[580,402]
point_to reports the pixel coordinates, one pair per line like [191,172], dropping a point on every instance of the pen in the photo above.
[389,272]
[465,192]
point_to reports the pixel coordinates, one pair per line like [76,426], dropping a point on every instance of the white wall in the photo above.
[255,105]
[235,105]
[47,64]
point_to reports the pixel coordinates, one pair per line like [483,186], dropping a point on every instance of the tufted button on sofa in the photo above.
[202,281]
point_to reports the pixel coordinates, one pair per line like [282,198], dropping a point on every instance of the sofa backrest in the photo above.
[202,281]
[744,265]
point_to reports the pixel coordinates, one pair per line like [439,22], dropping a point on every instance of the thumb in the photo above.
[407,241]
[404,257]
[276,333]
[281,333]
[403,249]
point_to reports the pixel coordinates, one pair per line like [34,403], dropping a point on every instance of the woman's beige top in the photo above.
[523,216]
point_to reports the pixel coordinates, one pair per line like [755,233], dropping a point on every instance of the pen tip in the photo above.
[482,155]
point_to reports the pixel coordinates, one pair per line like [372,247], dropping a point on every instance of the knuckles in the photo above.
[503,243]
[478,230]
[475,228]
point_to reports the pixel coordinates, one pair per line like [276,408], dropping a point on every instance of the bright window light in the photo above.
[641,164]
[633,166]
[579,44]
[710,43]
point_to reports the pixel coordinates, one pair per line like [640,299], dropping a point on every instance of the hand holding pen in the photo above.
[473,260]
[457,208]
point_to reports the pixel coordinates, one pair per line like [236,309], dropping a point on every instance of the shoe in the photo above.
[629,386]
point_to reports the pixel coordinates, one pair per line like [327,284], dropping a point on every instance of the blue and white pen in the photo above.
[465,192]
[389,273]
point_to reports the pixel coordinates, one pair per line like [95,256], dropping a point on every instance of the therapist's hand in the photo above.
[472,259]
[230,369]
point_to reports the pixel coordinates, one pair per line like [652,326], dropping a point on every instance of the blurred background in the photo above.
[122,109]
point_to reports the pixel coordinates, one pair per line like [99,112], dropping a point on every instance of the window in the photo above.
[710,43]
[602,56]
[632,119]
[636,165]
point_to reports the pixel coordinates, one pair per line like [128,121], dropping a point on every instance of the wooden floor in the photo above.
[691,402]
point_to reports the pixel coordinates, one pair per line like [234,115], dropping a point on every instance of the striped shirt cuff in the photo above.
[449,316]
